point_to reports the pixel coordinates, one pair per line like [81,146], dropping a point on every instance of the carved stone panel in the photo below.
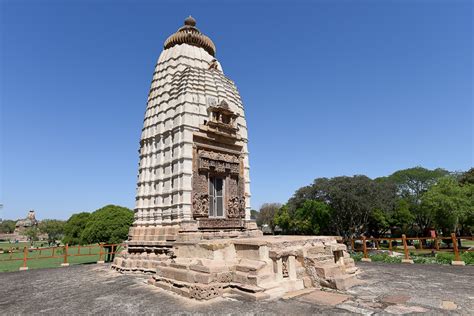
[236,207]
[200,204]
[216,223]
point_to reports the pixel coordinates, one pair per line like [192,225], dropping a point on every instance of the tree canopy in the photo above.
[412,183]
[266,215]
[410,201]
[109,224]
[74,227]
[450,205]
[53,228]
[7,226]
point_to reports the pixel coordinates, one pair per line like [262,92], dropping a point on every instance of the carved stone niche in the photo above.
[222,119]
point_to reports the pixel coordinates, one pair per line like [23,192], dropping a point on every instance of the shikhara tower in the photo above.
[194,167]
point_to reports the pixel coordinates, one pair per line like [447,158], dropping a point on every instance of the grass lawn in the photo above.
[467,243]
[6,245]
[88,254]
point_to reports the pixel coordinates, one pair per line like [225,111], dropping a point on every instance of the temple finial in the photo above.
[190,21]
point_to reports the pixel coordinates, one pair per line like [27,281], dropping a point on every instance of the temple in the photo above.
[192,227]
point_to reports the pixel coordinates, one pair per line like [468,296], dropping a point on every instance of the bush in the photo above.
[468,257]
[385,257]
[379,257]
[429,260]
[444,258]
[357,256]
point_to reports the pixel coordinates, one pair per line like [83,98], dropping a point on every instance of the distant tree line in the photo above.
[108,224]
[7,226]
[410,201]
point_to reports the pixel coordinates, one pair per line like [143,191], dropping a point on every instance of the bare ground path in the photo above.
[94,289]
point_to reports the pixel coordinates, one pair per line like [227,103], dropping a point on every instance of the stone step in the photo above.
[246,265]
[322,257]
[275,292]
[352,270]
[345,281]
[349,265]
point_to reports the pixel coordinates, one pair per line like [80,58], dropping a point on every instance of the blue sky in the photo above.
[330,88]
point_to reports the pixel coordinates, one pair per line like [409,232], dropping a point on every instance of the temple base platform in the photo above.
[258,267]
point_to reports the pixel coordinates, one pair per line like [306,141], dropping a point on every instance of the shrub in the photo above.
[468,257]
[390,259]
[418,259]
[379,257]
[385,257]
[444,258]
[357,256]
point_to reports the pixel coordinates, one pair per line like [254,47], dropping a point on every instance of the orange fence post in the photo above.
[405,248]
[352,244]
[65,263]
[437,243]
[457,259]
[25,258]
[364,247]
[100,254]
[421,243]
[390,244]
[78,249]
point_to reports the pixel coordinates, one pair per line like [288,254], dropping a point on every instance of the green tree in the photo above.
[312,218]
[53,228]
[32,234]
[467,177]
[449,204]
[357,204]
[402,217]
[7,226]
[109,224]
[412,183]
[352,201]
[253,214]
[266,215]
[282,219]
[73,228]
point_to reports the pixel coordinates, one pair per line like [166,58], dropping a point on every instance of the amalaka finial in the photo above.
[190,21]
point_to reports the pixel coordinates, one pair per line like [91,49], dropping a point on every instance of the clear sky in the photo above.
[329,87]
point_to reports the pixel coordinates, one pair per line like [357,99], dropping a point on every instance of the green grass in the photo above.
[467,243]
[5,245]
[33,263]
[440,258]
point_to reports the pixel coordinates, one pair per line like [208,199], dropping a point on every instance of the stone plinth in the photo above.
[458,263]
[263,267]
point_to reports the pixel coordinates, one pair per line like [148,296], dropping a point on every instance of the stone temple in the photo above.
[192,229]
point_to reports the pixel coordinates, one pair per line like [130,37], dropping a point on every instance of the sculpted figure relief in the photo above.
[236,207]
[218,156]
[200,204]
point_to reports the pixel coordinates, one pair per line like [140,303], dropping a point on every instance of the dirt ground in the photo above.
[95,289]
